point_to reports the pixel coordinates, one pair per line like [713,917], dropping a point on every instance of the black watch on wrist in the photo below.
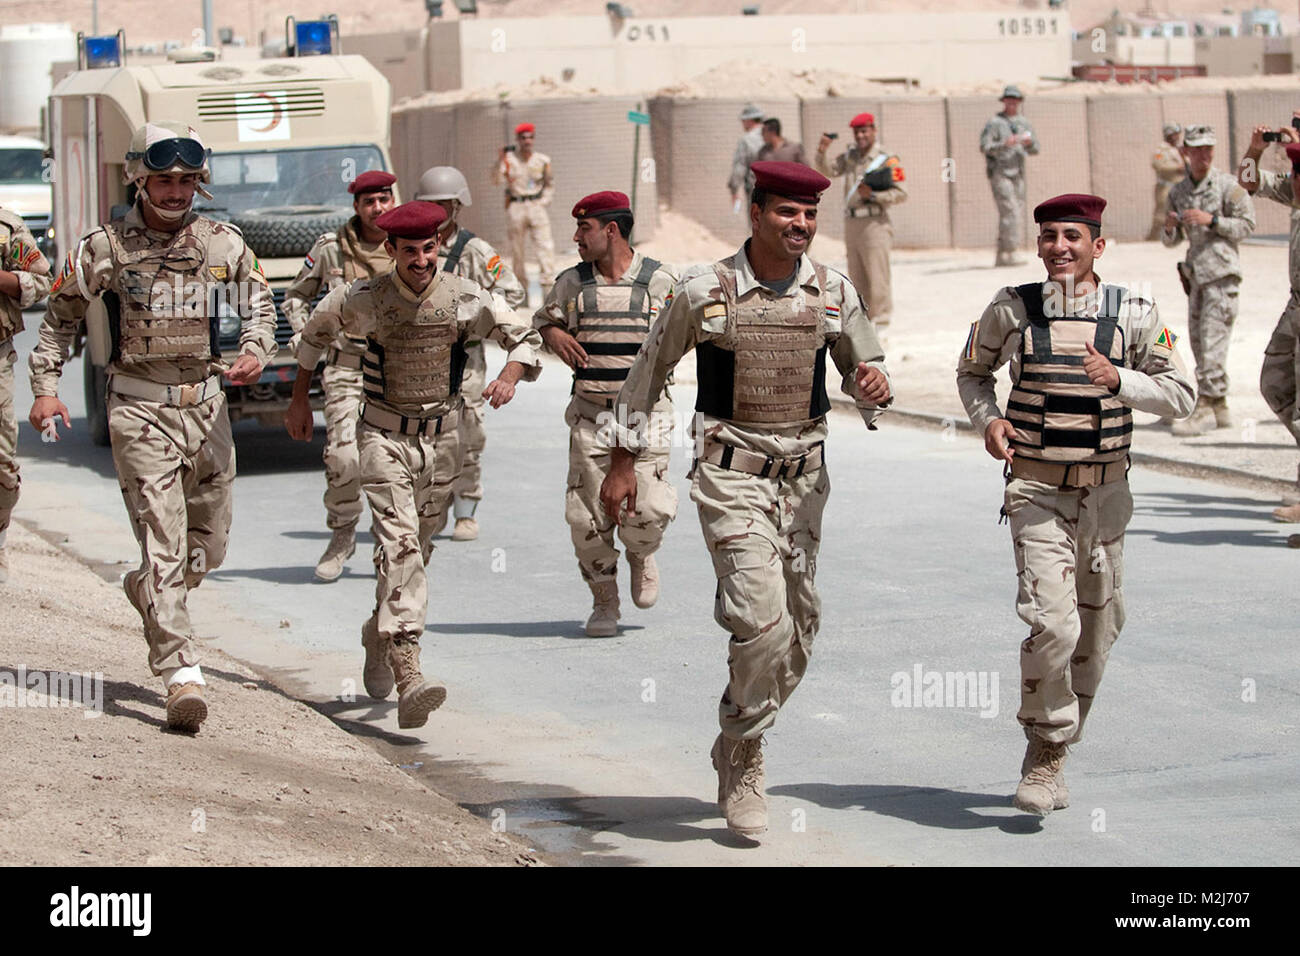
[1214,221]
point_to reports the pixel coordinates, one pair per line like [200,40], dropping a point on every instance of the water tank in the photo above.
[27,50]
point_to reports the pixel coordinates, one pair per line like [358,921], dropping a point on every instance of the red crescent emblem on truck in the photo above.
[275,114]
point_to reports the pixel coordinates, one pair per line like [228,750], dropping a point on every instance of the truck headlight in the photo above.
[228,320]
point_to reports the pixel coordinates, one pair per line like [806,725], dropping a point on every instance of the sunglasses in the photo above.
[170,152]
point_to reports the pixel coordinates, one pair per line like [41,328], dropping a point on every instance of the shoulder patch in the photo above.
[715,309]
[1166,339]
[971,339]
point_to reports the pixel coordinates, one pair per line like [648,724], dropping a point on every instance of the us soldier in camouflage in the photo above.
[24,281]
[338,258]
[761,322]
[1005,142]
[1082,355]
[415,320]
[1214,213]
[868,231]
[473,258]
[1281,369]
[161,268]
[748,146]
[1170,168]
[595,319]
[530,187]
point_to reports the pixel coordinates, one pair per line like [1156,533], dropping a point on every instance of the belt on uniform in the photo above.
[1069,476]
[404,425]
[180,396]
[343,359]
[764,466]
[866,212]
[528,198]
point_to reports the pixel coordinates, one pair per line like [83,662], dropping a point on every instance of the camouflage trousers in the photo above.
[525,222]
[1009,196]
[343,395]
[176,469]
[404,483]
[763,535]
[10,479]
[1069,546]
[1281,369]
[1211,310]
[868,241]
[468,486]
[656,498]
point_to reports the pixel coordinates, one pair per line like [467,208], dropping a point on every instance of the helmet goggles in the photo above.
[167,153]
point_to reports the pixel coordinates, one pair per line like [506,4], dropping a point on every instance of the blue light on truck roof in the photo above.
[313,37]
[103,52]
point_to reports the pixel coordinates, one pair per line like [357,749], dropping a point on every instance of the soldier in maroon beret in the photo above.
[762,322]
[337,258]
[415,321]
[530,187]
[1083,355]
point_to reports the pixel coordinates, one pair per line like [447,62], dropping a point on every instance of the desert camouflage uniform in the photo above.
[1170,169]
[481,264]
[1281,368]
[1213,269]
[748,146]
[400,473]
[336,259]
[590,432]
[1069,540]
[175,463]
[1005,166]
[529,189]
[868,231]
[20,255]
[762,532]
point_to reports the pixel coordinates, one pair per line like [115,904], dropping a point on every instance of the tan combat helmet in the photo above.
[443,182]
[167,147]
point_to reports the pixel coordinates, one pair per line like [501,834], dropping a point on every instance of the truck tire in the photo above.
[96,382]
[284,232]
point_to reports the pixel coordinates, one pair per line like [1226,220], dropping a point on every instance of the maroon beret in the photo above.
[604,203]
[1071,207]
[1293,152]
[373,181]
[792,180]
[862,119]
[525,128]
[412,220]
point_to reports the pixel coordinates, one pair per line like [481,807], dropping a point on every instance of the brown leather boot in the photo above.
[416,697]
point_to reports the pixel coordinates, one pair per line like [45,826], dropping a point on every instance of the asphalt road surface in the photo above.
[596,750]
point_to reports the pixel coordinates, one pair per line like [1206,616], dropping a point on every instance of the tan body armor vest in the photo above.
[158,312]
[1059,415]
[769,367]
[413,356]
[613,322]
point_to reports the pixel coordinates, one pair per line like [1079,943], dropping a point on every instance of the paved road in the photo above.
[597,750]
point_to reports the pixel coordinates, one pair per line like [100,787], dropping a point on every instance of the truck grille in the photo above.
[251,104]
[283,331]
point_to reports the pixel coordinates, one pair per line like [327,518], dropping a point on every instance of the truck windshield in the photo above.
[21,167]
[286,177]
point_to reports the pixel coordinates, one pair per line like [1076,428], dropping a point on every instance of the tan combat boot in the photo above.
[186,708]
[645,580]
[604,612]
[740,784]
[377,675]
[466,529]
[1199,422]
[416,697]
[1222,417]
[1062,798]
[343,543]
[1037,790]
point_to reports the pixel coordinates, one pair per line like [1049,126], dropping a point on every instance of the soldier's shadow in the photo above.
[926,806]
[569,630]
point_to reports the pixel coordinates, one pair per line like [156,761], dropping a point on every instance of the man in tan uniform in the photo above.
[473,258]
[24,281]
[1170,169]
[1214,213]
[158,270]
[1082,355]
[1281,369]
[415,320]
[338,258]
[595,319]
[868,231]
[761,322]
[530,187]
[1006,140]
